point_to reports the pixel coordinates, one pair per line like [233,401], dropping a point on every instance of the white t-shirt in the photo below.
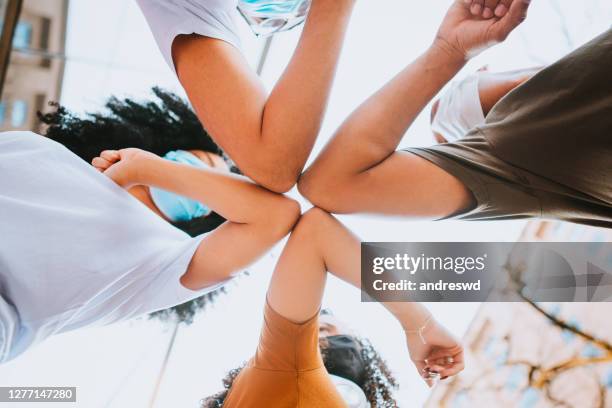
[460,109]
[170,18]
[76,249]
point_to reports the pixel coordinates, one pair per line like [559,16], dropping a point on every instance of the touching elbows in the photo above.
[272,176]
[280,184]
[319,192]
[282,217]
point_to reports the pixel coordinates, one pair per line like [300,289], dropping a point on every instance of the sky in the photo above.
[112,52]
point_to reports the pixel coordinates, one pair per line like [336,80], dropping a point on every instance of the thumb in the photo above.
[515,16]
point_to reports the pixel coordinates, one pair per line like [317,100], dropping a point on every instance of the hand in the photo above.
[441,353]
[122,165]
[489,8]
[465,35]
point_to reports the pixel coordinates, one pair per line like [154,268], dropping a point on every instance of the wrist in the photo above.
[442,48]
[140,167]
[421,330]
[411,316]
[418,323]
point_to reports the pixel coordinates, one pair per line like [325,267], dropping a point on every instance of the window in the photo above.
[39,102]
[45,32]
[44,40]
[19,113]
[23,35]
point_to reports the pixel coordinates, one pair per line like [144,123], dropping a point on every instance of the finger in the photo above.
[502,8]
[420,366]
[110,155]
[423,373]
[455,352]
[515,16]
[454,370]
[489,8]
[101,163]
[477,7]
[428,380]
[446,361]
[436,368]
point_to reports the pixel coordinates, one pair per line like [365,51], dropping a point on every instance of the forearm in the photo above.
[320,244]
[233,197]
[294,110]
[410,315]
[375,129]
[338,251]
[269,136]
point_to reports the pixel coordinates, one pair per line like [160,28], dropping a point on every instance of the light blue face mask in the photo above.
[175,207]
[267,17]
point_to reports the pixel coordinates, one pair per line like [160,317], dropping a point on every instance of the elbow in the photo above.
[280,185]
[277,181]
[283,217]
[317,192]
[306,187]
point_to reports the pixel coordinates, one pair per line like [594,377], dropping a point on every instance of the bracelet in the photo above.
[420,330]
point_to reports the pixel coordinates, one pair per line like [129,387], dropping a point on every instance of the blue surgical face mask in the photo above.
[267,17]
[175,207]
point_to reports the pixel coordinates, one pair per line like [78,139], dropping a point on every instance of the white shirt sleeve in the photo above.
[76,249]
[170,18]
[9,326]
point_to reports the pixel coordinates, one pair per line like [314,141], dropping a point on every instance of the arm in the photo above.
[257,218]
[360,171]
[269,137]
[494,86]
[320,244]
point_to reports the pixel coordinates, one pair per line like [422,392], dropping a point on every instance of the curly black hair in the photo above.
[379,384]
[159,126]
[186,312]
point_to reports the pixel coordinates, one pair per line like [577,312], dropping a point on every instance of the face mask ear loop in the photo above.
[420,330]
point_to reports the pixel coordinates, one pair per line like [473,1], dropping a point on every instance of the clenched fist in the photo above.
[465,34]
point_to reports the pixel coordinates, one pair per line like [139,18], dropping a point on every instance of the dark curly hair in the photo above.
[186,312]
[379,383]
[159,126]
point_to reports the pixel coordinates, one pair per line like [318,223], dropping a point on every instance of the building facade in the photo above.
[537,355]
[36,67]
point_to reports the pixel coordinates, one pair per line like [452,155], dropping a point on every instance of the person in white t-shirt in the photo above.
[268,136]
[84,245]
